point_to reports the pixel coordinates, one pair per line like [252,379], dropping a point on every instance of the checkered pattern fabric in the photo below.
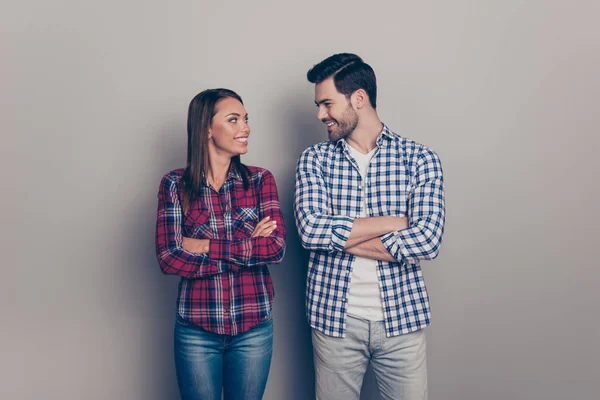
[229,289]
[404,179]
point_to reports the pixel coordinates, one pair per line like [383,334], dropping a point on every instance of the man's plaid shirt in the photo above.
[404,179]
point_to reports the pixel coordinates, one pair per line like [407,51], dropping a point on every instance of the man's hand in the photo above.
[196,245]
[264,228]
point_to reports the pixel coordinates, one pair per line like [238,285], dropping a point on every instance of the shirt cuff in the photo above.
[223,250]
[341,227]
[391,243]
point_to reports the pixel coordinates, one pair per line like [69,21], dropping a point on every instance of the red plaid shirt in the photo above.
[229,289]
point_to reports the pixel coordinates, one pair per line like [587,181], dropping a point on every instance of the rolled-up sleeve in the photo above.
[318,230]
[426,214]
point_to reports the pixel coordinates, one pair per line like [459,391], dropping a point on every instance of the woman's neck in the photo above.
[218,167]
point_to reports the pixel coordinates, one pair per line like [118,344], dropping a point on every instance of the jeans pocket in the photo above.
[265,327]
[182,321]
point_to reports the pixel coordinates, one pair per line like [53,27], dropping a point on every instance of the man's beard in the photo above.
[345,125]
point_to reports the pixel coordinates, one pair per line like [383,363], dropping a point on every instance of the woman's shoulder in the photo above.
[258,172]
[261,178]
[174,176]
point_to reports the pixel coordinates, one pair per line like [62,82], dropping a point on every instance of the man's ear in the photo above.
[360,98]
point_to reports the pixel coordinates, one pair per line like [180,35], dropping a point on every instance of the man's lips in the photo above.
[329,124]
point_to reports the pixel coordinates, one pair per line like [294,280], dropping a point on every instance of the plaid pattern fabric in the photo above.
[404,179]
[229,289]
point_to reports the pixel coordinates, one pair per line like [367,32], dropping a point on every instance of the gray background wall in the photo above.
[93,107]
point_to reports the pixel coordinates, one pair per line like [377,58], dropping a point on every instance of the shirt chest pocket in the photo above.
[243,222]
[197,225]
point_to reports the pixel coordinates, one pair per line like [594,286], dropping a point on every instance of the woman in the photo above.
[218,226]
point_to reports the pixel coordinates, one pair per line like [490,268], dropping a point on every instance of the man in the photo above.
[369,206]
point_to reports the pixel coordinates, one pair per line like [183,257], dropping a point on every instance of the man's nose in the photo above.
[321,113]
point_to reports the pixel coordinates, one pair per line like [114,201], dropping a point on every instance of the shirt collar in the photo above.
[384,137]
[233,173]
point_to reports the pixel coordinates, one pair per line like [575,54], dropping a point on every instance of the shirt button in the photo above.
[360,187]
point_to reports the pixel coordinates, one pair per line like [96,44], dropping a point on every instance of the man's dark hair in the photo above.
[349,72]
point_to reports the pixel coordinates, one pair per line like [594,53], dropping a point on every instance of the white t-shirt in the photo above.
[364,297]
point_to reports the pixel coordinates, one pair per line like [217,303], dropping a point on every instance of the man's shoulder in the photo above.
[318,150]
[411,148]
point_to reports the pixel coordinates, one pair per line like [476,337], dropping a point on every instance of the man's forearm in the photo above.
[365,229]
[373,249]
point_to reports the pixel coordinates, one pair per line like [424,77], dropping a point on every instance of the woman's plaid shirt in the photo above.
[404,179]
[227,290]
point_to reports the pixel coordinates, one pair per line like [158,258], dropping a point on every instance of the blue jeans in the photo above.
[398,362]
[208,363]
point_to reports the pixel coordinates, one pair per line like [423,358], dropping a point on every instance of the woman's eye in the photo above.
[233,120]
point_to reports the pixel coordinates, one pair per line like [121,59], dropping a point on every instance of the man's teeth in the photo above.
[330,123]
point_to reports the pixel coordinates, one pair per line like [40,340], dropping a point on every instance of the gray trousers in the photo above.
[399,362]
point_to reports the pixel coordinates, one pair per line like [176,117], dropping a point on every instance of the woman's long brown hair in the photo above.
[202,109]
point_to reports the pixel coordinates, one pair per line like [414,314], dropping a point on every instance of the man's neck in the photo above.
[364,137]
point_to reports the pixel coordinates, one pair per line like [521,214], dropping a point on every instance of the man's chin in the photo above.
[336,136]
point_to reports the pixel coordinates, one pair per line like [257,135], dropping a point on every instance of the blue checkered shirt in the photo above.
[404,179]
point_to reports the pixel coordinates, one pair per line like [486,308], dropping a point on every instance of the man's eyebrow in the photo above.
[321,101]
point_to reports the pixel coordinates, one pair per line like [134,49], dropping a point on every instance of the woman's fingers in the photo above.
[267,229]
[259,226]
[264,228]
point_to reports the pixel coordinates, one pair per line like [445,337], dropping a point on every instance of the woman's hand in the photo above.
[264,228]
[195,245]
